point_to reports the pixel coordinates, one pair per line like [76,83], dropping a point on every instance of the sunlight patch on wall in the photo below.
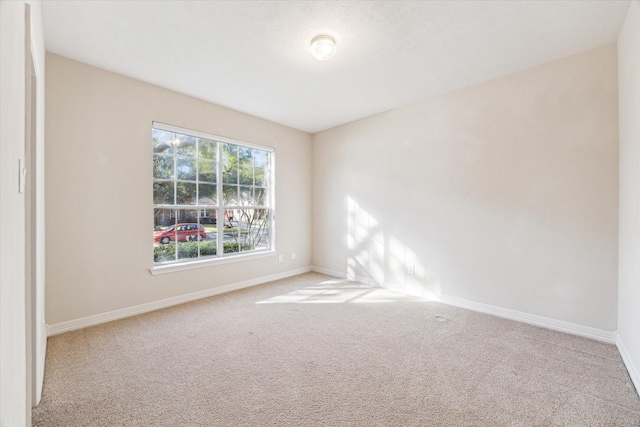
[378,257]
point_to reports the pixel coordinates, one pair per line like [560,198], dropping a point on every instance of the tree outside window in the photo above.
[212,196]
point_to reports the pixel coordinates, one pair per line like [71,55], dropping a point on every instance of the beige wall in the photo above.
[629,270]
[504,193]
[99,199]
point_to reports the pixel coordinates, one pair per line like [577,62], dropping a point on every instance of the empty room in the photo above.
[319,213]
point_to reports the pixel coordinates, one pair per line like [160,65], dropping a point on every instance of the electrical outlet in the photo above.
[280,258]
[293,255]
[412,270]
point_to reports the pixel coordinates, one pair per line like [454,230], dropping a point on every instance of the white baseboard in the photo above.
[329,272]
[519,316]
[633,370]
[545,322]
[532,319]
[58,328]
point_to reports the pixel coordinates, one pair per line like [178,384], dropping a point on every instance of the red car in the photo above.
[184,232]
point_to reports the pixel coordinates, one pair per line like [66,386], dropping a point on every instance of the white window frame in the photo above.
[220,257]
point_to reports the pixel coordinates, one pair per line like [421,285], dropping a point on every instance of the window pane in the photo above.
[186,145]
[260,158]
[245,156]
[163,193]
[164,248]
[185,217]
[230,174]
[207,149]
[230,168]
[162,167]
[209,246]
[207,194]
[246,175]
[230,195]
[260,196]
[206,171]
[208,217]
[186,169]
[260,229]
[231,233]
[230,154]
[186,193]
[246,230]
[189,233]
[246,195]
[267,177]
[259,176]
[162,141]
[163,218]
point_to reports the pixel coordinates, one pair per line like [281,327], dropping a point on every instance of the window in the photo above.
[212,197]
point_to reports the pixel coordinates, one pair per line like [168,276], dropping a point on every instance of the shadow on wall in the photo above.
[377,257]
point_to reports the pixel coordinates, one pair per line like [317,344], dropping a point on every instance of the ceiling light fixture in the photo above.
[323,47]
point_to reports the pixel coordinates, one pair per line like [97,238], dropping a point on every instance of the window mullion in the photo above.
[175,201]
[198,210]
[220,214]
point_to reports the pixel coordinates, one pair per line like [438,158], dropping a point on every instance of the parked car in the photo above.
[183,232]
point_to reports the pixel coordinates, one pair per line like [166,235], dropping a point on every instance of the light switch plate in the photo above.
[22,177]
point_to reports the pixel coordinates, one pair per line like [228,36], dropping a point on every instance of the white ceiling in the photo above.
[254,56]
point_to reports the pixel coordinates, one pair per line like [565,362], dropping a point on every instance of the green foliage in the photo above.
[206,171]
[162,166]
[187,250]
[235,247]
[243,168]
[163,192]
[246,167]
[207,149]
[186,193]
[186,169]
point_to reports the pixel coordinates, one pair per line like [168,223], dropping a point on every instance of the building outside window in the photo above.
[212,196]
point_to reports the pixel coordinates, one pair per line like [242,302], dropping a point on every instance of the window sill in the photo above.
[190,265]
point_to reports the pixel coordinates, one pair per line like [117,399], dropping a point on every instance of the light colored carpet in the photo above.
[315,351]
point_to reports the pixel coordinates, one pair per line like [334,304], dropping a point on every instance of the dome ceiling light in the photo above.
[323,47]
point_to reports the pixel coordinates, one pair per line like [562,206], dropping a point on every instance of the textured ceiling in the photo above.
[254,56]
